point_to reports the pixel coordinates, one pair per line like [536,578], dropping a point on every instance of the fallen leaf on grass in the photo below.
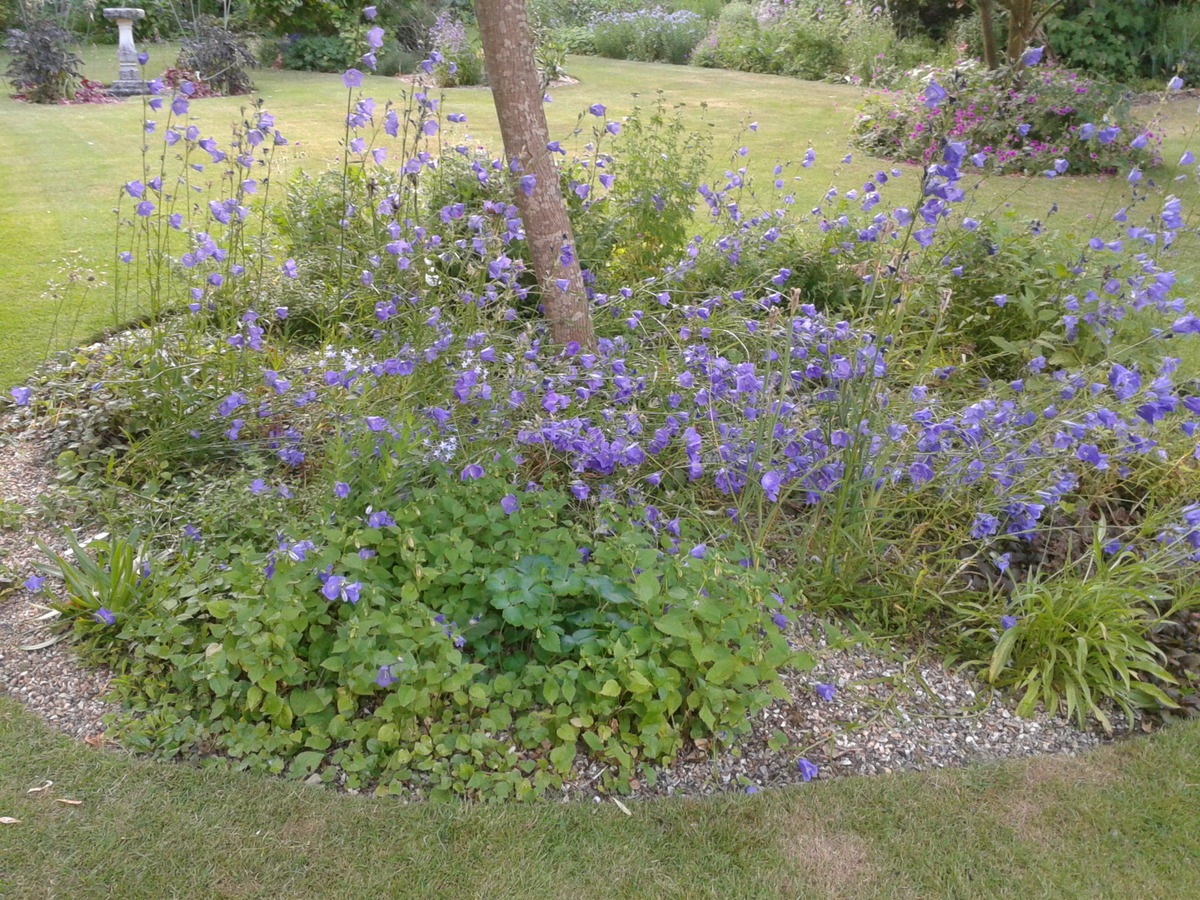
[9,820]
[44,786]
[68,802]
[95,740]
[621,806]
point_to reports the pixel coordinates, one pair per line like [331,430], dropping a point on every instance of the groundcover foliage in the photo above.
[400,540]
[426,643]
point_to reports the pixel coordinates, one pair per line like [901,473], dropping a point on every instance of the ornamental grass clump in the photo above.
[430,551]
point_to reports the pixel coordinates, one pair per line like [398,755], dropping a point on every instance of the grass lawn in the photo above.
[1124,822]
[61,167]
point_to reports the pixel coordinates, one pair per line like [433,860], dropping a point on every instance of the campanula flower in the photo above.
[934,95]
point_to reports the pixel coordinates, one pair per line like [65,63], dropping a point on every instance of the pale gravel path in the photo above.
[51,682]
[889,713]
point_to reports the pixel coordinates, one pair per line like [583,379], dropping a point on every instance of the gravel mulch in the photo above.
[49,681]
[888,711]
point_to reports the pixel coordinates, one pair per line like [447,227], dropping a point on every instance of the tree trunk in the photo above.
[1022,24]
[517,93]
[988,27]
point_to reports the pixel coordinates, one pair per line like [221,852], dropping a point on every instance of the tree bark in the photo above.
[517,93]
[1022,23]
[988,27]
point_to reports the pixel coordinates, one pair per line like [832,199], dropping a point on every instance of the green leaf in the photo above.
[722,670]
[638,683]
[647,587]
[219,609]
[611,688]
[305,702]
[562,757]
[306,762]
[676,623]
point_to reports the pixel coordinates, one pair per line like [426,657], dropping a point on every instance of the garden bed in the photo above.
[890,709]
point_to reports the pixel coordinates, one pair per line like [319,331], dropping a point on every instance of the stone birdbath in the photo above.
[129,78]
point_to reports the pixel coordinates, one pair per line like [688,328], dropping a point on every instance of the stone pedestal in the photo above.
[129,77]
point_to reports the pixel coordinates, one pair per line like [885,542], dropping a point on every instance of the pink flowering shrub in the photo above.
[1033,124]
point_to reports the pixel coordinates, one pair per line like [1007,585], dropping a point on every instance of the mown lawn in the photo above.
[1124,822]
[61,167]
